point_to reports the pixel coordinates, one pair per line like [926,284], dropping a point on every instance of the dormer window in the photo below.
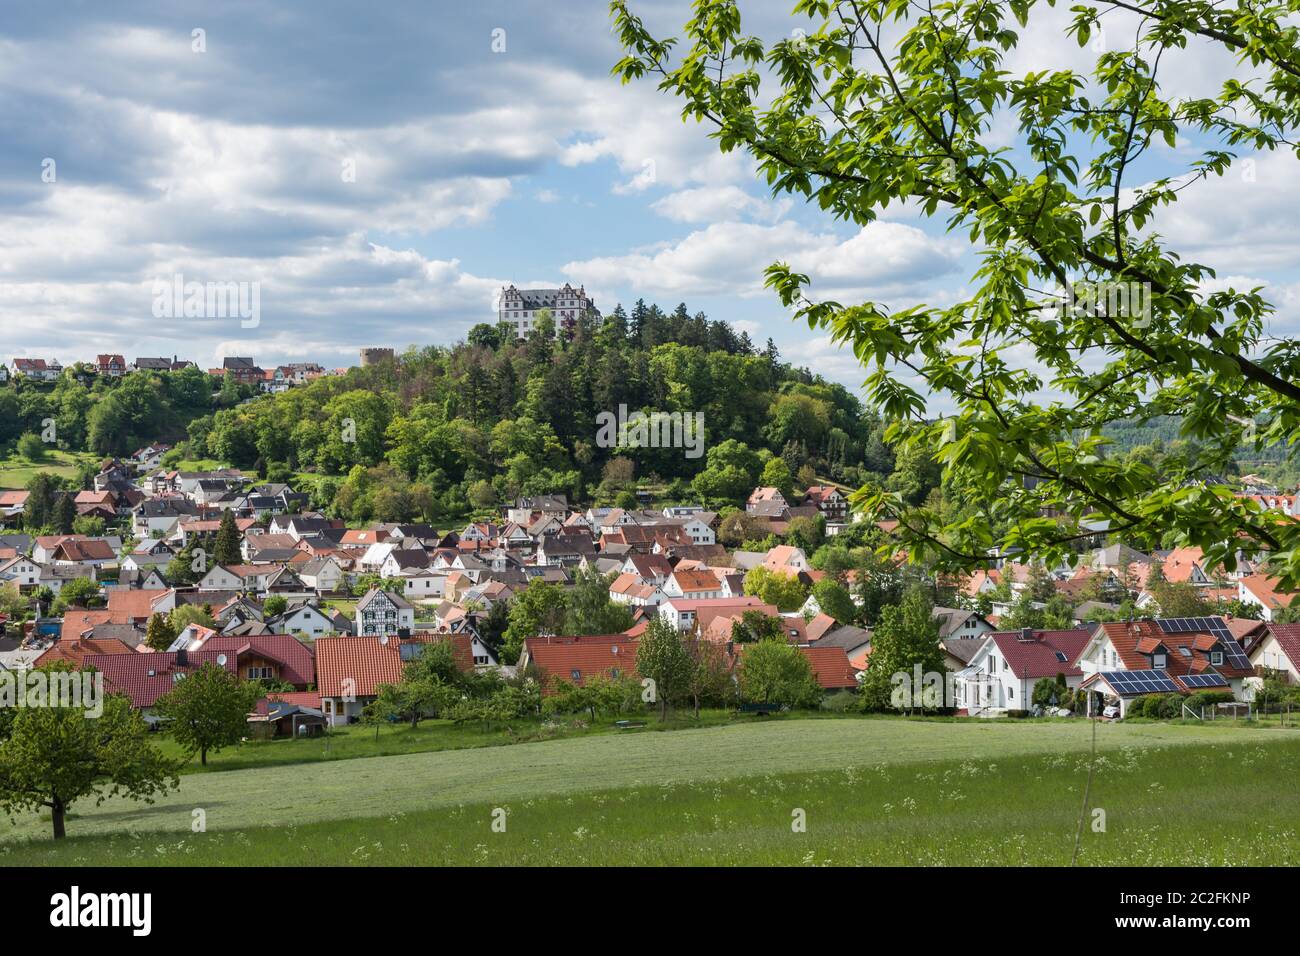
[1159,660]
[1216,658]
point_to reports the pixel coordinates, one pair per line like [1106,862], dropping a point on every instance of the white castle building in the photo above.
[519,307]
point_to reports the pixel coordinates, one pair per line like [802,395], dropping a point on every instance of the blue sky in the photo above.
[474,168]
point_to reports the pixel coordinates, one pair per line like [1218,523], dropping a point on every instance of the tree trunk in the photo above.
[203,756]
[57,815]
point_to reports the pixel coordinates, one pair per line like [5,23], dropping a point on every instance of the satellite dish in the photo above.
[383,638]
[221,659]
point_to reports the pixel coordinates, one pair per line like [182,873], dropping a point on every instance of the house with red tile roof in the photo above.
[1171,655]
[144,677]
[683,612]
[1265,593]
[830,665]
[575,659]
[349,670]
[695,585]
[1001,674]
[75,650]
[1279,650]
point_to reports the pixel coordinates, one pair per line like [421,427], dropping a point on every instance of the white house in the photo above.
[382,612]
[1001,675]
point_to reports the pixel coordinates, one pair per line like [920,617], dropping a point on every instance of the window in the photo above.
[1159,661]
[1216,657]
[575,674]
[1011,693]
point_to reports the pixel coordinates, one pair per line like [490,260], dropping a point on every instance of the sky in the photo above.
[381,170]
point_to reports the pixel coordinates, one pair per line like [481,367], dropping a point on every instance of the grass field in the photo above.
[843,772]
[15,472]
[1234,802]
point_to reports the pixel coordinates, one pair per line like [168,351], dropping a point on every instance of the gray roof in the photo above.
[847,637]
[963,648]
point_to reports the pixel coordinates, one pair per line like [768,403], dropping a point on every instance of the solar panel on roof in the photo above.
[1133,683]
[1204,680]
[1215,626]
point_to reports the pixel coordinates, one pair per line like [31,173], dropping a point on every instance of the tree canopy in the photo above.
[1080,314]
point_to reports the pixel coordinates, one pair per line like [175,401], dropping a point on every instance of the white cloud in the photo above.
[728,258]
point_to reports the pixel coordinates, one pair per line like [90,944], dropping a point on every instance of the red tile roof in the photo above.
[831,667]
[561,657]
[1125,636]
[368,663]
[146,677]
[1037,657]
[297,661]
[131,604]
[1288,637]
[75,651]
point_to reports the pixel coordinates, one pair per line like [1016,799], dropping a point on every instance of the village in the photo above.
[328,615]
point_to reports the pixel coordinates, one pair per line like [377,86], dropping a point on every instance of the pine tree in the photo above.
[226,550]
[159,634]
[65,513]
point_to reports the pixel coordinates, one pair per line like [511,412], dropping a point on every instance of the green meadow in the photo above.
[885,791]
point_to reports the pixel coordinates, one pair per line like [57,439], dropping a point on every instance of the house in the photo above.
[144,677]
[24,572]
[961,623]
[682,612]
[382,612]
[786,559]
[1124,660]
[575,659]
[694,585]
[830,501]
[631,589]
[280,657]
[304,619]
[323,575]
[771,497]
[349,670]
[242,369]
[38,370]
[295,714]
[110,366]
[1279,651]
[1264,593]
[1002,672]
[12,503]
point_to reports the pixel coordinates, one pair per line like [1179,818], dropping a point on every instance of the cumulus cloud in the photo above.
[728,258]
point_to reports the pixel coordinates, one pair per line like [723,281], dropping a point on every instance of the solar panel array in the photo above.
[1132,683]
[1215,626]
[1204,680]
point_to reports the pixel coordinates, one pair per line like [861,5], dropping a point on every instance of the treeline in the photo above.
[112,416]
[494,417]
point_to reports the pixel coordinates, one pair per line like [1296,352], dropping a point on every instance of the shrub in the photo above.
[1208,698]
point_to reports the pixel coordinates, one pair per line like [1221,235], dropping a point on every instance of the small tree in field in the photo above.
[54,756]
[661,656]
[208,710]
[776,672]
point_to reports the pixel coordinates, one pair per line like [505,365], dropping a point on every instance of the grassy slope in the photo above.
[16,472]
[306,793]
[1230,803]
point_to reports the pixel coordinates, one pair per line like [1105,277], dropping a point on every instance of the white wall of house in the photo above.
[1269,653]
